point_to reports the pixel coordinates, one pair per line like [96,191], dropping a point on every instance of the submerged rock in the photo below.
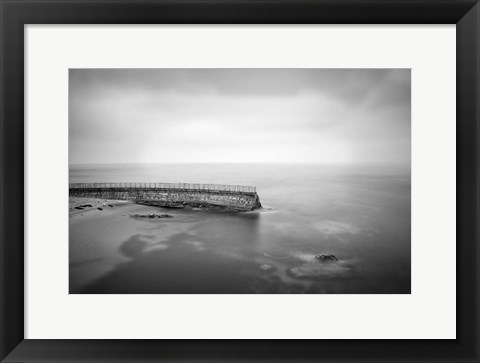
[326,258]
[314,270]
[266,267]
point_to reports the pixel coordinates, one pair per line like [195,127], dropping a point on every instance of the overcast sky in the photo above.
[239,115]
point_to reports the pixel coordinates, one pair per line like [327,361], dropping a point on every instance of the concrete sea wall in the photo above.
[238,198]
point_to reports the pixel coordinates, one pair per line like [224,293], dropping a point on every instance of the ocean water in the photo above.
[359,213]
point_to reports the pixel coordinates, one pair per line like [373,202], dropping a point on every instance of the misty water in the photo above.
[359,213]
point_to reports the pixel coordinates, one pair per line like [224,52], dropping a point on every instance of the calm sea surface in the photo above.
[360,214]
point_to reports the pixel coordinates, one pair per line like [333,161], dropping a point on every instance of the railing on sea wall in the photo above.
[177,186]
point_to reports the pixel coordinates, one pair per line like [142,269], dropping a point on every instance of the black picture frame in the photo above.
[17,13]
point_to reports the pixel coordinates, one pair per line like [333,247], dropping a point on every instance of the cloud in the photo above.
[239,115]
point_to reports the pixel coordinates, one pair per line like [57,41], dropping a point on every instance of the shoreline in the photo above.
[88,204]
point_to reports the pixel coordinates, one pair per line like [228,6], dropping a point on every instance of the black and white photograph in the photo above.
[239,181]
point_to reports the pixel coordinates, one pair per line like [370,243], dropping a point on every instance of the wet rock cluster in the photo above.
[326,258]
[152,215]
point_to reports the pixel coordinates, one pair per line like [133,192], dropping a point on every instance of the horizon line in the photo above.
[245,162]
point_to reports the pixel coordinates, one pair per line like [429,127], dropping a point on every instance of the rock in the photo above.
[326,258]
[138,215]
[151,215]
[100,208]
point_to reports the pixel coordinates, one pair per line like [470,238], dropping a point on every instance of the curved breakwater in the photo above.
[173,195]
